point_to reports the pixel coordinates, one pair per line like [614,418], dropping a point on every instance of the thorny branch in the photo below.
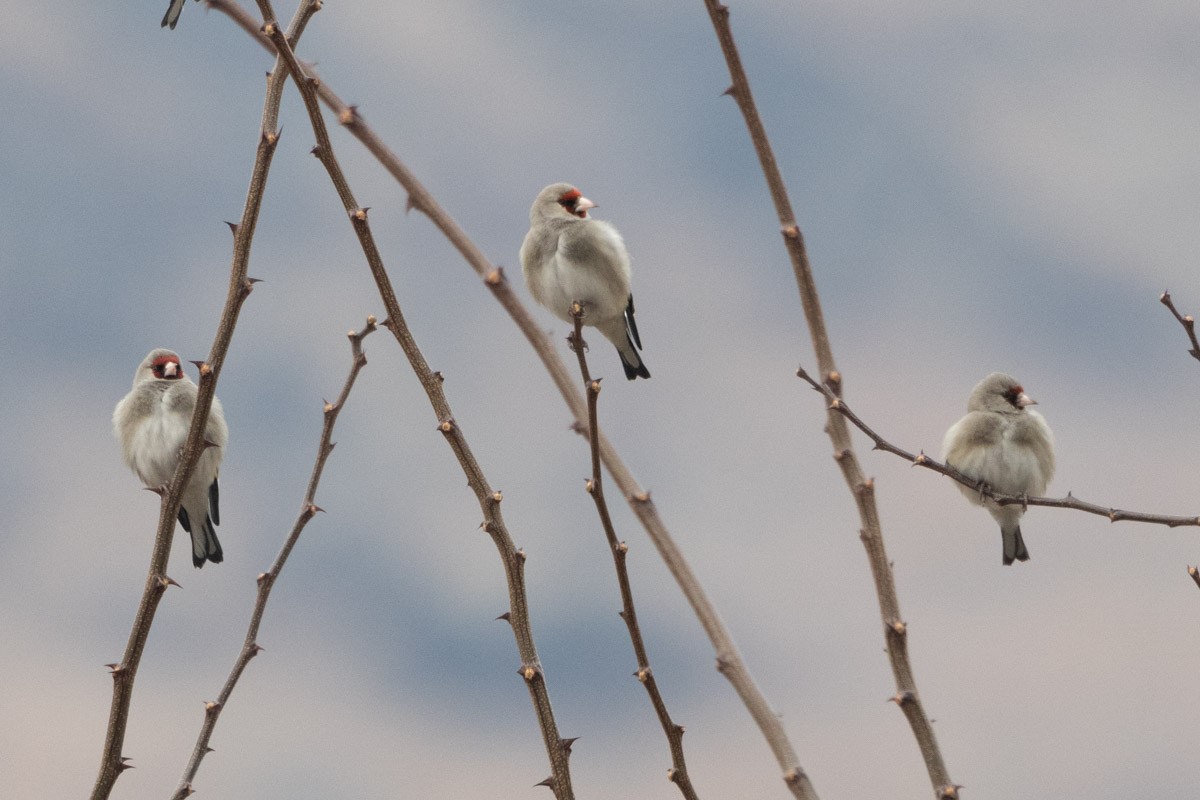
[728,657]
[266,580]
[1188,322]
[557,748]
[113,763]
[922,460]
[863,489]
[678,774]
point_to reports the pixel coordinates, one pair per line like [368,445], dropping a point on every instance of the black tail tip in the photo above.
[634,372]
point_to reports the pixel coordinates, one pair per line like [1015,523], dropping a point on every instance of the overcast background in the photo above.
[982,188]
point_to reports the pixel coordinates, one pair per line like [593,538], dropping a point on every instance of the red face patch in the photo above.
[159,367]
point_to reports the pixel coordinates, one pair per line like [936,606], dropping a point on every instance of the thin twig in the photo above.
[557,748]
[728,657]
[922,460]
[863,489]
[678,774]
[1188,322]
[112,762]
[266,580]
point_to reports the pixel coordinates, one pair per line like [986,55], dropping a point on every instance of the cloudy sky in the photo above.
[981,187]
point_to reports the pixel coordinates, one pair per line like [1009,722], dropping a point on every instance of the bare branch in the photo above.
[1188,323]
[112,763]
[266,580]
[678,773]
[728,657]
[557,748]
[895,630]
[922,460]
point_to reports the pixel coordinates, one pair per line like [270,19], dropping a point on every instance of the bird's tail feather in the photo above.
[632,362]
[170,19]
[1014,546]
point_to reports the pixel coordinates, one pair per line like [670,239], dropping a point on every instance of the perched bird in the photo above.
[152,423]
[568,256]
[1004,444]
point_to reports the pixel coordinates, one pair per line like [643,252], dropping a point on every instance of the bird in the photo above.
[1005,445]
[152,422]
[567,256]
[171,18]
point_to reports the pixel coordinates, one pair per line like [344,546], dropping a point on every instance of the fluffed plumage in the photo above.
[151,423]
[568,256]
[1005,445]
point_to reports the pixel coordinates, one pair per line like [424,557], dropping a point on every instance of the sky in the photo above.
[982,187]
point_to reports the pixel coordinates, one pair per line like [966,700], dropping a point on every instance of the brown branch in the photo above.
[1188,322]
[557,748]
[678,774]
[728,658]
[862,488]
[1195,573]
[922,460]
[266,580]
[112,763]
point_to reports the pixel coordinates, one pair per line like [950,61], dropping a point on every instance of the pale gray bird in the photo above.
[151,423]
[568,256]
[1006,445]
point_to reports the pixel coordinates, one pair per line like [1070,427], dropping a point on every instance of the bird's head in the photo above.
[161,364]
[560,201]
[1000,393]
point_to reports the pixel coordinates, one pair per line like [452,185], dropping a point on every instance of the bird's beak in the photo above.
[170,368]
[1025,400]
[582,205]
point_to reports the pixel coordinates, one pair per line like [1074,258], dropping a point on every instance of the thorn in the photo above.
[506,616]
[188,791]
[901,698]
[262,576]
[233,227]
[166,580]
[256,649]
[124,765]
[722,665]
[359,214]
[568,743]
[203,366]
[210,750]
[440,377]
[730,92]
[921,459]
[114,668]
[1165,297]
[316,151]
[594,386]
[314,509]
[549,782]
[520,554]
[328,407]
[409,204]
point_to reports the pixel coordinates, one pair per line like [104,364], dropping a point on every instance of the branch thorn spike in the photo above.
[549,783]
[506,616]
[233,227]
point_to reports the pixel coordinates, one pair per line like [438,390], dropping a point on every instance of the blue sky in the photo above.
[981,188]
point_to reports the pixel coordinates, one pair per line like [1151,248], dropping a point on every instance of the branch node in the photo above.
[528,672]
[793,776]
[446,425]
[211,707]
[790,232]
[495,277]
[644,674]
[902,698]
[359,214]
